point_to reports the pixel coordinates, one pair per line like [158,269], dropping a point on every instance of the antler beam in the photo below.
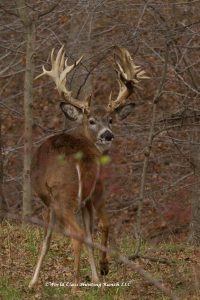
[58,73]
[129,75]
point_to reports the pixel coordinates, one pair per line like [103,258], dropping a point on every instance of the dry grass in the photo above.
[19,247]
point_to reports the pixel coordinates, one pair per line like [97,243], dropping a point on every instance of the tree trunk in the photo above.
[195,222]
[29,26]
[28,100]
[3,206]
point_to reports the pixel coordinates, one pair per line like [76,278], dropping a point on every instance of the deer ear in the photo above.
[124,110]
[71,112]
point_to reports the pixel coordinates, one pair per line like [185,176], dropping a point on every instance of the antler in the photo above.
[59,72]
[129,75]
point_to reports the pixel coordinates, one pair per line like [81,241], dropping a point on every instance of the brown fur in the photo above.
[55,180]
[56,159]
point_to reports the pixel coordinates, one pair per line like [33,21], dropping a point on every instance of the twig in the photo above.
[8,11]
[154,259]
[89,72]
[147,153]
[48,10]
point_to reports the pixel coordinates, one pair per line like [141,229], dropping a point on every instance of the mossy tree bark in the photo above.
[30,32]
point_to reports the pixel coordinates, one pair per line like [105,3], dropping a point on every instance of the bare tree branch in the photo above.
[147,152]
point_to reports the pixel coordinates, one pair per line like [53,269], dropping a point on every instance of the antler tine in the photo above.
[129,76]
[52,56]
[59,72]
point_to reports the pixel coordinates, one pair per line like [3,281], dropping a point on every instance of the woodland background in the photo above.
[152,184]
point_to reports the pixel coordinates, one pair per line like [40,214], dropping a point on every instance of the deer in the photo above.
[66,166]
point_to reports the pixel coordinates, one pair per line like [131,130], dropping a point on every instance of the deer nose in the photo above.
[107,136]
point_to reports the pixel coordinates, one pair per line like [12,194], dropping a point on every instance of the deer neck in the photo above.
[79,133]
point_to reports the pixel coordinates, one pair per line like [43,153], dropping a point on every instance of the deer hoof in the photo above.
[104,269]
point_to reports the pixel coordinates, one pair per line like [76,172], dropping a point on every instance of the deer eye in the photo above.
[92,122]
[110,121]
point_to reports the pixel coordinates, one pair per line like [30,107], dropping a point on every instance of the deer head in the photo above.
[95,121]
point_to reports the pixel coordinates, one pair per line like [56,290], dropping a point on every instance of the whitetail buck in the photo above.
[65,168]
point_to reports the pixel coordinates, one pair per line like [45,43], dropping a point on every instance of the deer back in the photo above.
[61,162]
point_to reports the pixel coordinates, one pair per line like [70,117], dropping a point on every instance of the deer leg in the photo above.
[69,221]
[77,246]
[102,215]
[99,205]
[88,224]
[44,249]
